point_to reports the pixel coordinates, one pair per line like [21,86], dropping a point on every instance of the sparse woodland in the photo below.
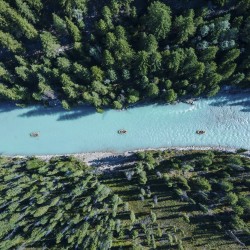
[163,200]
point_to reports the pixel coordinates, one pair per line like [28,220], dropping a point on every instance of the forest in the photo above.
[154,200]
[114,53]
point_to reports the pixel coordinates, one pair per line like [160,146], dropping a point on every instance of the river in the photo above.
[224,118]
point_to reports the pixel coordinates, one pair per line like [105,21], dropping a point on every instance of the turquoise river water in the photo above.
[225,118]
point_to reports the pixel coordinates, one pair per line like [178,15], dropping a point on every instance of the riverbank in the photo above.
[110,160]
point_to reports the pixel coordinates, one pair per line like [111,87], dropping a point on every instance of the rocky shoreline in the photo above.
[111,160]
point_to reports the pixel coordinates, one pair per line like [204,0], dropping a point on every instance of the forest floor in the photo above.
[199,233]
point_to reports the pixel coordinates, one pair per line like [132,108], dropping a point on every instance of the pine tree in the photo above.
[73,30]
[50,44]
[9,42]
[158,19]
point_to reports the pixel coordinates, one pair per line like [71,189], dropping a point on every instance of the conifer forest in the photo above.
[117,52]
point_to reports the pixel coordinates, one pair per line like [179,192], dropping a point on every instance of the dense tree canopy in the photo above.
[114,53]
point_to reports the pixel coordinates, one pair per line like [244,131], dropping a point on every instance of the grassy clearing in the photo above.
[203,231]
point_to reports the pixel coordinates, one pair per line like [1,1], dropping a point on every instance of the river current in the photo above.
[224,118]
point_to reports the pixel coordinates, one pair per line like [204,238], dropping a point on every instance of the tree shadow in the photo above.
[188,208]
[64,115]
[7,107]
[113,160]
[77,113]
[128,195]
[5,53]
[239,99]
[169,217]
[41,111]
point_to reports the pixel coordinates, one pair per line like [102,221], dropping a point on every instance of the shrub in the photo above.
[231,198]
[143,177]
[153,217]
[241,150]
[245,203]
[182,182]
[226,186]
[186,217]
[206,161]
[201,183]
[132,217]
[237,222]
[235,160]
[238,210]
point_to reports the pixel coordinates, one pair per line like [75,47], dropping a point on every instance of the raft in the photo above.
[122,131]
[200,132]
[34,134]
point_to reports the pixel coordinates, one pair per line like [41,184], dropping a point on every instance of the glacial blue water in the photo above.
[225,118]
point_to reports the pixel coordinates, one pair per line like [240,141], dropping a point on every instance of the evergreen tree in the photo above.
[184,27]
[9,42]
[50,44]
[158,19]
[73,30]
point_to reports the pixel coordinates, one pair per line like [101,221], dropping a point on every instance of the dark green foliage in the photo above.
[231,198]
[50,44]
[158,19]
[54,204]
[184,27]
[7,41]
[170,95]
[116,53]
[226,186]
[220,2]
[73,30]
[241,150]
[201,184]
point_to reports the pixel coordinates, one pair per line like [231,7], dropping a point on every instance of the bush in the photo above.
[203,208]
[238,210]
[241,150]
[235,160]
[237,222]
[201,183]
[206,161]
[244,202]
[149,158]
[153,217]
[140,155]
[143,177]
[231,198]
[132,217]
[186,217]
[226,186]
[182,182]
[117,105]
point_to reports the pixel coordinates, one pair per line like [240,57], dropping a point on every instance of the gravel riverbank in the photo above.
[111,160]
